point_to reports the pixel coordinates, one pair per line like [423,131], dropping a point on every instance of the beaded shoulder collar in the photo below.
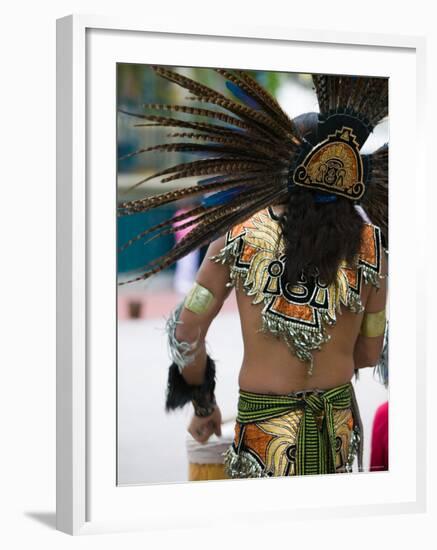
[301,313]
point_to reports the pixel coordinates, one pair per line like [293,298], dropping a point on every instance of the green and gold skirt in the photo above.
[305,433]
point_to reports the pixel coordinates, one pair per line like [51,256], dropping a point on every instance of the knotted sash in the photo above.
[316,440]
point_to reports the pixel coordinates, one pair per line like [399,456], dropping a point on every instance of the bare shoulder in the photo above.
[215,247]
[213,274]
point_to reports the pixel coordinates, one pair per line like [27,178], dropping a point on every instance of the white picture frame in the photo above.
[87,498]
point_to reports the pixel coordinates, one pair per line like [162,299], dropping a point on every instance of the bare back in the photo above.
[270,364]
[270,367]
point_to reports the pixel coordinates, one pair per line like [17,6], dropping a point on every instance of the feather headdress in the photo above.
[252,153]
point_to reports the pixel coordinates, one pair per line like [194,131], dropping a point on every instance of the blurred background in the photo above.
[153,446]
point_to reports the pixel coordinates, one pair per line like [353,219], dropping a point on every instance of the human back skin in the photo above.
[269,366]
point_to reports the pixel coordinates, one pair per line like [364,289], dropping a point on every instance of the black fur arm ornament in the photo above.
[179,393]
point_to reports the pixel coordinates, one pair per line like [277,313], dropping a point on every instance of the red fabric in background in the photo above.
[379,450]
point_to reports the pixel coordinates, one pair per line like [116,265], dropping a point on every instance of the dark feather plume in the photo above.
[375,200]
[364,97]
[246,146]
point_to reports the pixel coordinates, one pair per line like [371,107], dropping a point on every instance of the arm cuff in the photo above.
[373,324]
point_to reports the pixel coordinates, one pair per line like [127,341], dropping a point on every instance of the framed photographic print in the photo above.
[178,146]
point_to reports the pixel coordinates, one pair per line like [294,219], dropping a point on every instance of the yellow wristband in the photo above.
[373,324]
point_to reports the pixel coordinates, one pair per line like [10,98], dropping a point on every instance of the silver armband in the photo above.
[181,353]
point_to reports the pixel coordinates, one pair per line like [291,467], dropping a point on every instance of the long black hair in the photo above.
[318,235]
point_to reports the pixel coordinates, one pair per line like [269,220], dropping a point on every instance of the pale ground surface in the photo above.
[152,444]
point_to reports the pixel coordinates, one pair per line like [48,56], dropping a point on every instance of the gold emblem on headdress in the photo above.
[334,166]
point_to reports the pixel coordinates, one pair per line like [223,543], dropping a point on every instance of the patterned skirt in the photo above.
[304,433]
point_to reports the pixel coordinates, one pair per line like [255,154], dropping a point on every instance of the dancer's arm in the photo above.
[192,374]
[195,318]
[370,342]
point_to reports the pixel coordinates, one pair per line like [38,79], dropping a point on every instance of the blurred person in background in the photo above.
[379,444]
[187,266]
[279,207]
[379,449]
